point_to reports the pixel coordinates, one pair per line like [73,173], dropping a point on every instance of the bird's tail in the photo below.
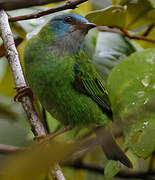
[110,147]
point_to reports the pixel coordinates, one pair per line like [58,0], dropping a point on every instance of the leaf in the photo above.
[13,132]
[35,162]
[100,4]
[124,2]
[151,14]
[111,169]
[114,2]
[7,82]
[106,50]
[137,13]
[131,87]
[83,8]
[130,15]
[110,16]
[17,29]
[3,67]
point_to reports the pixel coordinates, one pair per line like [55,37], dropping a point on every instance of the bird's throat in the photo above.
[69,44]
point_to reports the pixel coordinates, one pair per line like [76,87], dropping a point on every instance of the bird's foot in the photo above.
[23,91]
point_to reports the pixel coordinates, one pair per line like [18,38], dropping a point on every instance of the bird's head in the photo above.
[69,23]
[65,33]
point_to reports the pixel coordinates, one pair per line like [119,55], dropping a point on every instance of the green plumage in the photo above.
[66,82]
[51,78]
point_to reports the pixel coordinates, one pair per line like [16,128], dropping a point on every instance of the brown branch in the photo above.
[67,5]
[14,62]
[125,33]
[18,4]
[151,26]
[57,133]
[7,149]
[100,169]
[50,136]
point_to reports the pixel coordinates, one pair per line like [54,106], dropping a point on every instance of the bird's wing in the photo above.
[87,80]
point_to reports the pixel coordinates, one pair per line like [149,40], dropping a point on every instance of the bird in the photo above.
[64,79]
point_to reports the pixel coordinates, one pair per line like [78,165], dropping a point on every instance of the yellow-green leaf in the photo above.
[111,16]
[34,164]
[131,87]
[138,13]
[111,170]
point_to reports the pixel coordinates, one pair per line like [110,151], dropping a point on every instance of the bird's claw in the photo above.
[23,91]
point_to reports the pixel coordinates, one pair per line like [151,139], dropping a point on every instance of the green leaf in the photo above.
[100,4]
[130,15]
[131,87]
[111,170]
[110,16]
[7,82]
[138,13]
[12,133]
[106,50]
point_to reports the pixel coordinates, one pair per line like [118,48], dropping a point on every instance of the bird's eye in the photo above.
[68,19]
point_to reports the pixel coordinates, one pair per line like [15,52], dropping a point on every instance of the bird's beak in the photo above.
[89,26]
[85,27]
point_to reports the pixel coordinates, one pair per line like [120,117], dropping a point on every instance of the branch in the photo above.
[67,5]
[7,149]
[151,26]
[125,33]
[100,169]
[57,133]
[52,135]
[18,4]
[17,72]
[14,62]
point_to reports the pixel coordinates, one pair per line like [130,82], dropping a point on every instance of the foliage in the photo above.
[135,75]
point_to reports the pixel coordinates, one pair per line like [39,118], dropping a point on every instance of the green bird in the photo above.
[66,82]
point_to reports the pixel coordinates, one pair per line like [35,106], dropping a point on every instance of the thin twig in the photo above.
[18,4]
[57,133]
[50,136]
[67,5]
[150,27]
[100,169]
[14,62]
[7,149]
[125,33]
